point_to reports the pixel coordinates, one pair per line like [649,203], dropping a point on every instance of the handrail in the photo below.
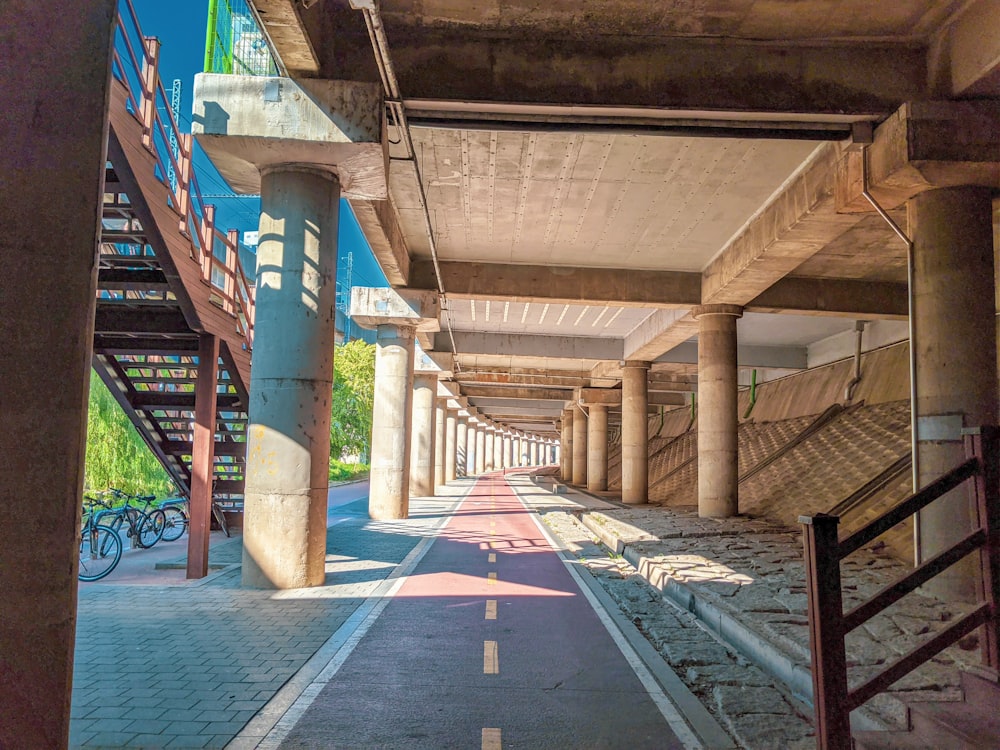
[828,625]
[135,64]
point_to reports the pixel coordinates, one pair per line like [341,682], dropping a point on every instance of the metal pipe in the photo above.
[915,464]
[380,49]
[859,326]
[753,393]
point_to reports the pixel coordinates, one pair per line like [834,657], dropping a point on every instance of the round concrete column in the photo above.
[718,446]
[470,449]
[597,448]
[953,304]
[422,435]
[461,445]
[440,416]
[480,448]
[451,446]
[579,447]
[488,449]
[567,445]
[288,440]
[508,450]
[498,450]
[535,453]
[388,494]
[516,449]
[635,433]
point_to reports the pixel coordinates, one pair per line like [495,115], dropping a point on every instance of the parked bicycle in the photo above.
[175,511]
[100,546]
[145,525]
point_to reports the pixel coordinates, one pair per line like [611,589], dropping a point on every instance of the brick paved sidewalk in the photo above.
[187,665]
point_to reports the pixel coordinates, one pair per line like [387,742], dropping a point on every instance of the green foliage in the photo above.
[353,399]
[341,472]
[116,454]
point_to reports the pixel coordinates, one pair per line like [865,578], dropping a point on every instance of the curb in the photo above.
[743,639]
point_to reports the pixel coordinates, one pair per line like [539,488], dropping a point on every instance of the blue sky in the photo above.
[180,26]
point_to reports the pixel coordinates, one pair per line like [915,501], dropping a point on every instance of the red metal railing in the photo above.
[828,625]
[135,64]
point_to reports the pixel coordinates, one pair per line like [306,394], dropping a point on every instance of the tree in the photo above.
[353,399]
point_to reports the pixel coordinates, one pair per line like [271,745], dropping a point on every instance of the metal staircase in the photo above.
[166,277]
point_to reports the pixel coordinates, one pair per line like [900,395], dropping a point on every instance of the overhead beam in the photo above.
[284,27]
[613,397]
[380,226]
[965,55]
[778,357]
[566,284]
[526,345]
[659,333]
[711,74]
[515,392]
[834,297]
[923,146]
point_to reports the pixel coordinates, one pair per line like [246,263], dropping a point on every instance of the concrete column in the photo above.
[579,447]
[557,450]
[470,449]
[635,433]
[451,446]
[488,449]
[480,448]
[388,495]
[516,449]
[288,441]
[718,444]
[53,130]
[498,450]
[440,409]
[567,444]
[422,434]
[956,357]
[597,448]
[461,447]
[508,450]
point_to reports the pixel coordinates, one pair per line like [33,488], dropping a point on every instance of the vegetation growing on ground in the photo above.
[351,412]
[116,454]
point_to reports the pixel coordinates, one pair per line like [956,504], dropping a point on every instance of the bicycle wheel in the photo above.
[100,551]
[176,522]
[151,528]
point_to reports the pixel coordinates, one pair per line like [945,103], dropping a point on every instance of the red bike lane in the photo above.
[489,643]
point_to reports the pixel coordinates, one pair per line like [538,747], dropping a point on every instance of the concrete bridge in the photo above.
[586,212]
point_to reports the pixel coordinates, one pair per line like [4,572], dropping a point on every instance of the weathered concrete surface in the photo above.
[956,355]
[288,440]
[422,443]
[375,306]
[249,123]
[451,445]
[635,433]
[390,452]
[579,447]
[52,177]
[597,448]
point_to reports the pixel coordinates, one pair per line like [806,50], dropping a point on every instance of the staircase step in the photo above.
[981,691]
[955,725]
[892,741]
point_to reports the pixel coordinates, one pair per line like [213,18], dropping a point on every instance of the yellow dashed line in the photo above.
[491,609]
[492,557]
[491,658]
[491,739]
[491,578]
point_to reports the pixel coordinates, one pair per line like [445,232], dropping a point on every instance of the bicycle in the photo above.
[176,518]
[100,546]
[145,529]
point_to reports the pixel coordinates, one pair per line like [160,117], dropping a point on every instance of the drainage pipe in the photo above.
[753,393]
[915,466]
[859,326]
[694,412]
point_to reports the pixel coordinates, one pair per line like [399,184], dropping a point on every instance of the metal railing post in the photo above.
[207,242]
[150,76]
[984,443]
[183,196]
[826,632]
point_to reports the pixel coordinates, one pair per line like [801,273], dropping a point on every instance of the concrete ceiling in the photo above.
[592,169]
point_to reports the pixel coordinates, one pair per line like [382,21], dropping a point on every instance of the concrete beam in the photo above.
[571,285]
[514,392]
[375,306]
[923,146]
[798,221]
[380,226]
[659,333]
[613,397]
[781,357]
[847,298]
[523,377]
[598,67]
[249,123]
[525,345]
[965,55]
[495,407]
[284,27]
